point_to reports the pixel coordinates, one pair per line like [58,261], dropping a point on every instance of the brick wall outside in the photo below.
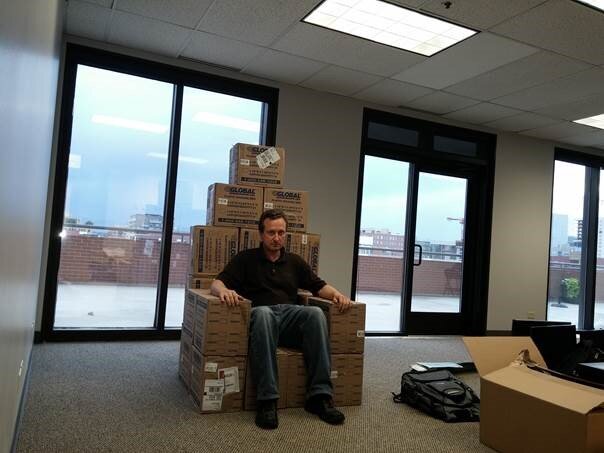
[89,259]
[384,274]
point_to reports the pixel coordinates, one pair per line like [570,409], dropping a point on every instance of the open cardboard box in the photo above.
[523,410]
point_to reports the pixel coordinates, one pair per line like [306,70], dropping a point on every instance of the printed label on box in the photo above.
[245,162]
[268,205]
[360,333]
[211,367]
[268,157]
[231,379]
[223,201]
[334,374]
[212,395]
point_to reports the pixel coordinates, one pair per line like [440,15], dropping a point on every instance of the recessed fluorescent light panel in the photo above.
[595,3]
[593,121]
[388,24]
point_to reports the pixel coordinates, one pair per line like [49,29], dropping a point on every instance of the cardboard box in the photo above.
[306,245]
[188,317]
[231,205]
[294,203]
[523,410]
[219,330]
[250,387]
[211,249]
[303,296]
[186,346]
[195,282]
[346,329]
[248,238]
[217,382]
[347,379]
[246,162]
[296,378]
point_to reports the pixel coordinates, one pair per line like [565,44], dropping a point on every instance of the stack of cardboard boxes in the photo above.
[214,339]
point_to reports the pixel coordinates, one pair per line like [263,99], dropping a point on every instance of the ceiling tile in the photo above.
[481,113]
[221,51]
[479,54]
[87,20]
[521,122]
[340,80]
[409,3]
[180,12]
[529,71]
[256,21]
[563,26]
[141,33]
[103,3]
[392,92]
[344,50]
[590,106]
[559,91]
[595,139]
[479,13]
[283,67]
[440,103]
[559,130]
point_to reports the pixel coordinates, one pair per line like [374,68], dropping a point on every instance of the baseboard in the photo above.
[498,333]
[37,337]
[21,406]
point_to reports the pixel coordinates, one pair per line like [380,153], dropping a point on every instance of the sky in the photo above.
[119,147]
[385,199]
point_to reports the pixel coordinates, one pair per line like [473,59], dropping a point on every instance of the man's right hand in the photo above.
[230,297]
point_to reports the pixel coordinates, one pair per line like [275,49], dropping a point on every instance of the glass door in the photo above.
[405,209]
[381,256]
[437,265]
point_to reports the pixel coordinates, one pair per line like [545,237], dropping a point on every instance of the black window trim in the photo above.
[75,55]
[589,246]
[476,315]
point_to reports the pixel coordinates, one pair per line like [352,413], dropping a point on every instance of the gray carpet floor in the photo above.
[127,397]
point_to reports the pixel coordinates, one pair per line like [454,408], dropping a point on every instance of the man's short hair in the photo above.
[271,214]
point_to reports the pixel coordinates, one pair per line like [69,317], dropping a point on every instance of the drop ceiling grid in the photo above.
[547,83]
[87,20]
[482,14]
[283,67]
[479,53]
[338,80]
[185,13]
[219,50]
[144,33]
[320,44]
[565,27]
[259,22]
[533,70]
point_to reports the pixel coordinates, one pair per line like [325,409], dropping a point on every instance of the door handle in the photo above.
[419,261]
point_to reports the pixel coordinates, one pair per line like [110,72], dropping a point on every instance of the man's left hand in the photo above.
[342,302]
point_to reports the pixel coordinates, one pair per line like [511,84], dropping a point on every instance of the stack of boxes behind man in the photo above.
[256,184]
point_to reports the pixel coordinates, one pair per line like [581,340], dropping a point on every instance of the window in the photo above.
[576,262]
[139,144]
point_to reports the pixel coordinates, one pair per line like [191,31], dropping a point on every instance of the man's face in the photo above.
[273,235]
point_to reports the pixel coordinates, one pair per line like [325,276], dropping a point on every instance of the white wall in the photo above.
[322,135]
[520,233]
[30,34]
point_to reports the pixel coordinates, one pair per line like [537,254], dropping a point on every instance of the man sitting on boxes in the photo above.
[270,277]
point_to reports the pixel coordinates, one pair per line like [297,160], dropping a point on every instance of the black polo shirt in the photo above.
[264,282]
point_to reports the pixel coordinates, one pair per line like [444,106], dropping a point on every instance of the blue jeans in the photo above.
[291,326]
